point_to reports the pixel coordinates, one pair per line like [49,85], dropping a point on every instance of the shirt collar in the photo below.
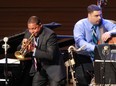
[89,24]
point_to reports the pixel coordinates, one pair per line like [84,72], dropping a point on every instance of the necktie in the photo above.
[94,35]
[35,61]
[35,64]
[94,38]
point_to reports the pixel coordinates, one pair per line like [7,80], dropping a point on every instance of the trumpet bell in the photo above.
[22,52]
[19,55]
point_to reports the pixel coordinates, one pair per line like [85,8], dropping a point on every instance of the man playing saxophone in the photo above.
[42,43]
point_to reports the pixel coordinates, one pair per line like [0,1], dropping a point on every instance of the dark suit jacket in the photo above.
[48,54]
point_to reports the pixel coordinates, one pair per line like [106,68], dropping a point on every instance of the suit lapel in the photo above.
[41,37]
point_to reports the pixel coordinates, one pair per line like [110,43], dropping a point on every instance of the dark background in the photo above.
[15,13]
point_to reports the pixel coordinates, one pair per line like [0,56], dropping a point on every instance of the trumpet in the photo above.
[22,52]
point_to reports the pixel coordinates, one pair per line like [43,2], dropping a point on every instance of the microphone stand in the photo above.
[5,46]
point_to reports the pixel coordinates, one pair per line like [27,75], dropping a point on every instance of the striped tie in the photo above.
[94,38]
[94,35]
[35,60]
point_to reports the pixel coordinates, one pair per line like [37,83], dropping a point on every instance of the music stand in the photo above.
[104,75]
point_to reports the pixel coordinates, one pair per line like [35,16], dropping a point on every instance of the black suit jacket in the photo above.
[48,54]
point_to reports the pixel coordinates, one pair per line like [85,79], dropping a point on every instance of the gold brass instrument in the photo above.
[70,63]
[22,52]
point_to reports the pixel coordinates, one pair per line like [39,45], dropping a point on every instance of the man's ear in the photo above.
[89,15]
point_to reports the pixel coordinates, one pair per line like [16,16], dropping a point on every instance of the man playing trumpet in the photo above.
[42,43]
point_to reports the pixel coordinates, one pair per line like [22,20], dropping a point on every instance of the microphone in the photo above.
[5,39]
[72,48]
[5,45]
[106,50]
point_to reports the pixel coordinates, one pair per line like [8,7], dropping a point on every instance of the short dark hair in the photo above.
[93,7]
[34,19]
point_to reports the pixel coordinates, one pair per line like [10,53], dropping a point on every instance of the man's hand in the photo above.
[105,36]
[24,42]
[29,47]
